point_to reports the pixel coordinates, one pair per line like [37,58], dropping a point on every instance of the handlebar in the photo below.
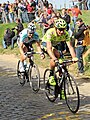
[65,63]
[62,66]
[31,53]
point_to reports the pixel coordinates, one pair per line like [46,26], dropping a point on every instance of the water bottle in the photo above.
[25,65]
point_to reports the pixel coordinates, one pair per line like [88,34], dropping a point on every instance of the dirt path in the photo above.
[10,62]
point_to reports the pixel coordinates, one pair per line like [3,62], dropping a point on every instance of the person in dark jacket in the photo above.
[9,34]
[67,18]
[18,28]
[79,36]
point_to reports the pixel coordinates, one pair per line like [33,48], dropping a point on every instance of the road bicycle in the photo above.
[31,74]
[64,82]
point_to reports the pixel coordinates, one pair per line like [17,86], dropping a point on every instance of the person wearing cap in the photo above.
[18,29]
[28,36]
[52,37]
[75,13]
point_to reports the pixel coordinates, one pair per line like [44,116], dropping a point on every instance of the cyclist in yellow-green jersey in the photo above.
[52,37]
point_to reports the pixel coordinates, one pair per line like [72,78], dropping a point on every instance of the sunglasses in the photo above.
[61,29]
[30,33]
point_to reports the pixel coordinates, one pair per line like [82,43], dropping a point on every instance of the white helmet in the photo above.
[31,28]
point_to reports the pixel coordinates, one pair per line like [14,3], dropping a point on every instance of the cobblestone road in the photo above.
[20,103]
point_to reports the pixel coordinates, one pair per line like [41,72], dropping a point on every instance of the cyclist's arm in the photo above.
[40,50]
[21,48]
[49,50]
[71,49]
[38,46]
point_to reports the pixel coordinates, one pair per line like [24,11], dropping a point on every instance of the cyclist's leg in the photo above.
[22,58]
[52,66]
[57,55]
[51,78]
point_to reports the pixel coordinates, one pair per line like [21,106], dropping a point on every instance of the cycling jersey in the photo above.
[52,36]
[24,36]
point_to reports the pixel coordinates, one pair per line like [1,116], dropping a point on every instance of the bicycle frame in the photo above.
[65,86]
[62,70]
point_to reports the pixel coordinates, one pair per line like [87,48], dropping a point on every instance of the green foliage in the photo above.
[85,16]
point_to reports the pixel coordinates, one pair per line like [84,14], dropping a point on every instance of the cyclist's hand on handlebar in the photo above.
[56,61]
[60,60]
[75,59]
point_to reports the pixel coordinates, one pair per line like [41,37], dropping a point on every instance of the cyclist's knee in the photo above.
[52,63]
[56,53]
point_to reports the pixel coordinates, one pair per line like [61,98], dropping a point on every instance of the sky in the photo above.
[56,3]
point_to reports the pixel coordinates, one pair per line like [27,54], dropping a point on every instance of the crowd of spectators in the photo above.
[40,11]
[25,10]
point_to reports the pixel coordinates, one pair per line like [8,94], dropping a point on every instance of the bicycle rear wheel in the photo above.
[71,94]
[34,77]
[50,90]
[20,75]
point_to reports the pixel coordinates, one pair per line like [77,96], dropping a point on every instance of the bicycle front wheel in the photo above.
[71,94]
[50,90]
[20,75]
[34,77]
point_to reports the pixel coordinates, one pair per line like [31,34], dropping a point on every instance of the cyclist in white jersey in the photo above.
[28,36]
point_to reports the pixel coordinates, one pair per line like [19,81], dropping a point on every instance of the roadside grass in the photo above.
[42,63]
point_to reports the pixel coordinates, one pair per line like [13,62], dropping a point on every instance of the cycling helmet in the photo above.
[60,23]
[31,28]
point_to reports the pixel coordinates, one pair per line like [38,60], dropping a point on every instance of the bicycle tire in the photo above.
[20,75]
[71,94]
[34,77]
[50,91]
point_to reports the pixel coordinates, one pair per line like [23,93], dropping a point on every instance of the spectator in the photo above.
[4,14]
[45,3]
[24,13]
[50,10]
[15,10]
[88,4]
[66,17]
[80,4]
[20,10]
[44,23]
[31,10]
[75,12]
[11,12]
[6,9]
[7,38]
[18,28]
[58,15]
[79,36]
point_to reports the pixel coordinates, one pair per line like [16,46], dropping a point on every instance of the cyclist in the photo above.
[52,37]
[28,36]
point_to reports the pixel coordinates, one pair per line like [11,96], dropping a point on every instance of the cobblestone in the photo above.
[20,103]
